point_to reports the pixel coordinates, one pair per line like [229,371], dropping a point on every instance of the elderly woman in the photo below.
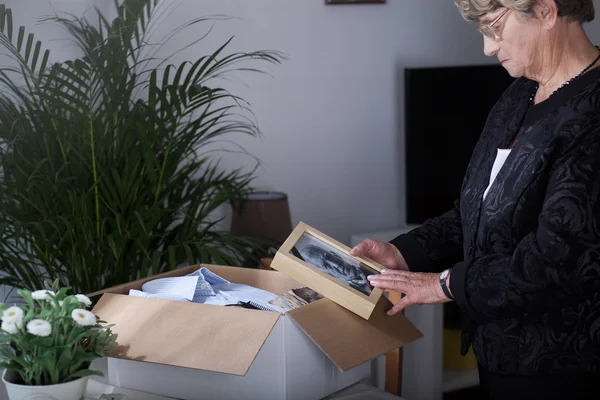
[520,250]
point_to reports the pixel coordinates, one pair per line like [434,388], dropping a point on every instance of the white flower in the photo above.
[42,294]
[83,317]
[39,327]
[13,315]
[11,327]
[84,299]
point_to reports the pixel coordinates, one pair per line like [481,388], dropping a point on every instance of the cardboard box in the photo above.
[191,351]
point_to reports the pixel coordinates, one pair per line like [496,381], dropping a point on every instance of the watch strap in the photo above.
[444,286]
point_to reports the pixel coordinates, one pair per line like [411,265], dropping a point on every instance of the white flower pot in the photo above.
[73,390]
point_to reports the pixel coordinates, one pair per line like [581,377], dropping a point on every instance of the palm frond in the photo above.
[107,172]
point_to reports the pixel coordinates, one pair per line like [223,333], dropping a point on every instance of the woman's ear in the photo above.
[546,12]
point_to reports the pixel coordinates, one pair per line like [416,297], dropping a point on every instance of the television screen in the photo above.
[446,110]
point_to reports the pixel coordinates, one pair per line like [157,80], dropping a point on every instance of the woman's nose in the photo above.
[490,47]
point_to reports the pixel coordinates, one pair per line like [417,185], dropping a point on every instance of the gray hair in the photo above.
[573,10]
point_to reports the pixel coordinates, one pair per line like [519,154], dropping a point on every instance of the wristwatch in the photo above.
[443,277]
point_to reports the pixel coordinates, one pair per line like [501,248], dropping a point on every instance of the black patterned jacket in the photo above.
[526,260]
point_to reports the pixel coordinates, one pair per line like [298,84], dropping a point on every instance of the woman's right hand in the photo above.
[383,253]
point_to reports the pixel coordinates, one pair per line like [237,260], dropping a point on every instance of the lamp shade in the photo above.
[262,213]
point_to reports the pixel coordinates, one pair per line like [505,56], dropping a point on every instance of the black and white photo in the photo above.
[307,294]
[335,263]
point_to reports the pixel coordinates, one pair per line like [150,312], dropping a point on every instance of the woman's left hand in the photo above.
[418,287]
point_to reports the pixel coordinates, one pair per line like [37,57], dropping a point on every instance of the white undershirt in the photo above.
[498,163]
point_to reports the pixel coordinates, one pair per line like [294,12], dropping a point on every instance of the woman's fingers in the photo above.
[395,280]
[389,285]
[367,247]
[400,305]
[397,285]
[390,275]
[419,288]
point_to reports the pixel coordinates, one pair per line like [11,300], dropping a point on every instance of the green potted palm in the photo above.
[107,166]
[48,342]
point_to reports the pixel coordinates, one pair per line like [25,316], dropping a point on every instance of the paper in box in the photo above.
[191,351]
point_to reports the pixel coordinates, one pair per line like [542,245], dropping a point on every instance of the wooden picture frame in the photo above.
[355,1]
[326,266]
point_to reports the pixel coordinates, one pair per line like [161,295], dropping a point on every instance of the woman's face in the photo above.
[516,38]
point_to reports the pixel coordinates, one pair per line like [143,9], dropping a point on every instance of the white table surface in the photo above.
[358,391]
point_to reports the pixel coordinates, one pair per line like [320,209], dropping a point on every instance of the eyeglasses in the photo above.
[489,30]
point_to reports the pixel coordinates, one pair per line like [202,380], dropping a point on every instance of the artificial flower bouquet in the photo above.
[52,337]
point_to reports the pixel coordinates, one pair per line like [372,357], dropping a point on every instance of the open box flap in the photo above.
[200,336]
[349,340]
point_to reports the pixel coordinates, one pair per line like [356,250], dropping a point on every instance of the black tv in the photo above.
[445,112]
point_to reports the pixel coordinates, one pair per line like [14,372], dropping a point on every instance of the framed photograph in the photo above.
[326,266]
[355,1]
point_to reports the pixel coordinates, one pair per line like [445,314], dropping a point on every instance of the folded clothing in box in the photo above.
[206,287]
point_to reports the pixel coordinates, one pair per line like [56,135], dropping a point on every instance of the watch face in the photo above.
[444,274]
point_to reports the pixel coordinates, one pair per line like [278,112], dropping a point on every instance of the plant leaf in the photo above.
[109,164]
